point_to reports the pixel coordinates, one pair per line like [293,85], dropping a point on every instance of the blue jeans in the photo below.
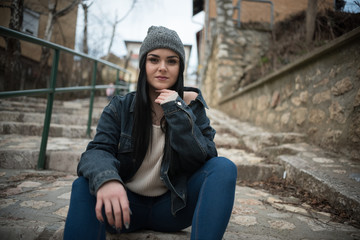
[211,192]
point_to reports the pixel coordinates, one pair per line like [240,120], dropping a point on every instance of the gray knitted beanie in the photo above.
[162,37]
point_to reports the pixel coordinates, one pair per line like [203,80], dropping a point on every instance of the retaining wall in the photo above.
[318,95]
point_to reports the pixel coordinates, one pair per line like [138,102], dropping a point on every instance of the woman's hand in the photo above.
[164,94]
[114,198]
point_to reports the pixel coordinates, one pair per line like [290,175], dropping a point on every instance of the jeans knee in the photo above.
[80,183]
[227,168]
[230,168]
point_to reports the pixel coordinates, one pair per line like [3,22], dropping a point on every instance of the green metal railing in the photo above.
[52,89]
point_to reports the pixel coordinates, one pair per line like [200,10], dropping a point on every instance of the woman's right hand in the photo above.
[112,195]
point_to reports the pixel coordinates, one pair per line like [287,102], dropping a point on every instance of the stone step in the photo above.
[84,102]
[56,118]
[27,104]
[24,99]
[36,129]
[250,137]
[42,109]
[63,154]
[252,168]
[326,175]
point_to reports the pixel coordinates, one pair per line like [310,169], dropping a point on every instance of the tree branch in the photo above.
[128,12]
[67,9]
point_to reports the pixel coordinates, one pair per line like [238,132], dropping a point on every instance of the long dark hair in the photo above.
[142,128]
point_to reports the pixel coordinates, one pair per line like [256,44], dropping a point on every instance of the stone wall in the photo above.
[318,95]
[230,53]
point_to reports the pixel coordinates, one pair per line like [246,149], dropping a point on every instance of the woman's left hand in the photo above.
[164,94]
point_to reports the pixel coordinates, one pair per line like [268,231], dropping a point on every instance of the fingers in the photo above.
[109,212]
[112,196]
[117,214]
[160,99]
[126,212]
[164,94]
[98,209]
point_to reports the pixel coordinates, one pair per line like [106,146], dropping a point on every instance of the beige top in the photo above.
[146,180]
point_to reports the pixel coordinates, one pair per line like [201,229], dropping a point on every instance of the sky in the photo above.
[350,6]
[173,14]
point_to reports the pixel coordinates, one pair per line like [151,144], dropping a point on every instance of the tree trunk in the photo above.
[111,40]
[41,80]
[310,20]
[85,47]
[114,25]
[45,54]
[13,48]
[85,67]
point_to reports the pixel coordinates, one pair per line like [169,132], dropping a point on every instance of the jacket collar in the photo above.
[191,89]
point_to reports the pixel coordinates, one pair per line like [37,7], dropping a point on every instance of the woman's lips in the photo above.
[162,78]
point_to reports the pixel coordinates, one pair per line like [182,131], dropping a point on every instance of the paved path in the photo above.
[34,204]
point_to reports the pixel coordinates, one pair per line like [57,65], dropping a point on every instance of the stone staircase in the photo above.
[21,126]
[326,175]
[259,155]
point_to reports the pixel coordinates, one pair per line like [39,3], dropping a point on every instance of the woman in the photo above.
[153,163]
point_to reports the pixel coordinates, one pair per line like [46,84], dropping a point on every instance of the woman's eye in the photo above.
[153,60]
[172,61]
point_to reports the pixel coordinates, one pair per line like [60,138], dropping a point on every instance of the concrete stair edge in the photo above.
[343,194]
[56,118]
[36,129]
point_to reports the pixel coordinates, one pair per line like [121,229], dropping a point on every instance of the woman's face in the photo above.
[162,68]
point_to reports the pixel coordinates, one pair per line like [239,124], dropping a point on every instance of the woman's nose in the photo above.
[162,66]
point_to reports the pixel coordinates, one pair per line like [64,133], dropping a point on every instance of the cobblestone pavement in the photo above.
[34,204]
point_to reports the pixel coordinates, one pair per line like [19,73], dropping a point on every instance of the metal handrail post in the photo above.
[49,106]
[92,94]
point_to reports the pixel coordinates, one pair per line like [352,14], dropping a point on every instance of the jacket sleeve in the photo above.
[99,163]
[191,135]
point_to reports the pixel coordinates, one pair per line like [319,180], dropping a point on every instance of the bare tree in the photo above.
[84,64]
[114,25]
[357,3]
[85,6]
[53,16]
[113,33]
[13,47]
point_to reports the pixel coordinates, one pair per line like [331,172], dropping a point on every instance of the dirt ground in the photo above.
[288,40]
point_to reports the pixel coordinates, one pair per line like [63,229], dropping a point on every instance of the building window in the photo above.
[30,22]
